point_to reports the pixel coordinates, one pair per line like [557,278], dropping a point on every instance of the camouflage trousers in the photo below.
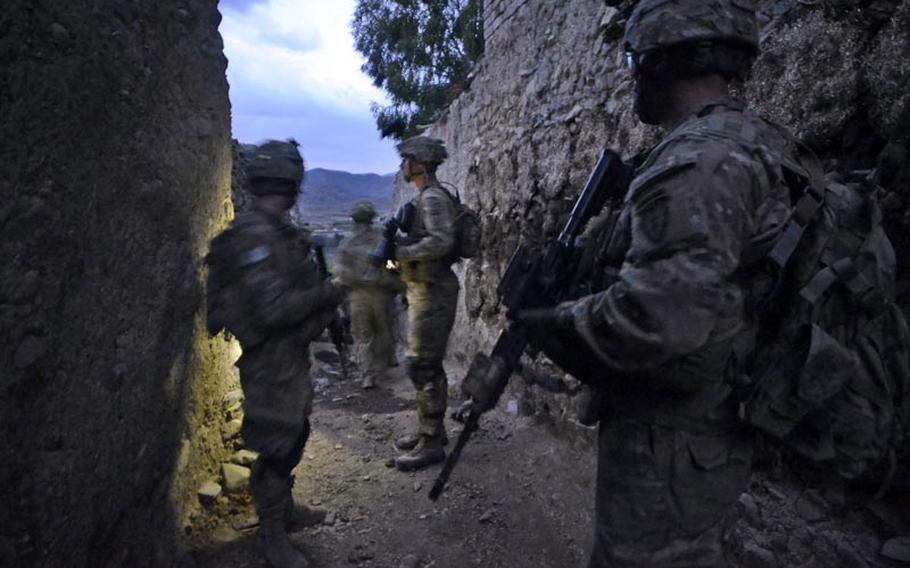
[665,497]
[278,395]
[431,314]
[371,325]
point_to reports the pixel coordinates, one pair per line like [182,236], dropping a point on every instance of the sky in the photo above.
[293,72]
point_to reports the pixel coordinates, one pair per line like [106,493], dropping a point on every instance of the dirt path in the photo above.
[518,498]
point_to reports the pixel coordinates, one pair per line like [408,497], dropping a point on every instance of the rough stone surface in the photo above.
[232,429]
[114,174]
[551,91]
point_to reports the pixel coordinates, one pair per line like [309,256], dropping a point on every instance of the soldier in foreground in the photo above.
[371,291]
[425,259]
[264,288]
[662,340]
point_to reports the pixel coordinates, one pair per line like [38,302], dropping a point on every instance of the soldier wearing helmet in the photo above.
[266,290]
[425,259]
[371,292]
[663,340]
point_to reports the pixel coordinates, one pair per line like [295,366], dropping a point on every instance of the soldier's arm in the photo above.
[674,291]
[343,271]
[276,300]
[439,220]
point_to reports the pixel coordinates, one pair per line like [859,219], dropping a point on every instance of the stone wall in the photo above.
[114,173]
[551,91]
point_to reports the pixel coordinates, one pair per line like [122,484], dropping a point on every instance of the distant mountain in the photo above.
[329,194]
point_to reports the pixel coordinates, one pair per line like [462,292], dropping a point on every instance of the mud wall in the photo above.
[551,91]
[114,172]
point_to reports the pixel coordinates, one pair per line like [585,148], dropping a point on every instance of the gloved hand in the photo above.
[484,383]
[332,292]
[552,330]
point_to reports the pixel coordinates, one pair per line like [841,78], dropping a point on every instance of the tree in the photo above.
[420,52]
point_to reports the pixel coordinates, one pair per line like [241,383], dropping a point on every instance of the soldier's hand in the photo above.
[461,413]
[332,291]
[483,383]
[552,330]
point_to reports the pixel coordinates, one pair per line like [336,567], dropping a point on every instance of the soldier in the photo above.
[264,287]
[426,260]
[371,291]
[663,340]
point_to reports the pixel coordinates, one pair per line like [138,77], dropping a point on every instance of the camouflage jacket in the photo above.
[264,282]
[427,253]
[354,268]
[710,193]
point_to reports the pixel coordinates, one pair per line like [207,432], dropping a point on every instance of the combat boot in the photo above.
[275,543]
[298,515]
[408,442]
[272,497]
[427,452]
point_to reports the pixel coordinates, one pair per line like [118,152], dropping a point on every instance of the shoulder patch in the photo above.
[663,169]
[254,256]
[652,204]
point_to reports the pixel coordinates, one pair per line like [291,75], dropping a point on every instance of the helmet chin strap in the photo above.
[410,173]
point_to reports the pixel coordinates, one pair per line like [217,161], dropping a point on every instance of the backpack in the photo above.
[829,373]
[224,301]
[467,228]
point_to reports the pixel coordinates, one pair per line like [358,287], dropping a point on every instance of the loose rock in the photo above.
[244,458]
[755,556]
[897,549]
[232,429]
[409,561]
[236,477]
[232,397]
[225,534]
[209,491]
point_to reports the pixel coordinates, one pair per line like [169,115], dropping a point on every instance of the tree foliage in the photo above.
[420,52]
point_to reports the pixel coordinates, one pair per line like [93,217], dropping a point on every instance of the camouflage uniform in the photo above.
[371,292]
[426,268]
[425,258]
[673,455]
[274,301]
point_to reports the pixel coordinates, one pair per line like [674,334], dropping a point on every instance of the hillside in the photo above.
[329,194]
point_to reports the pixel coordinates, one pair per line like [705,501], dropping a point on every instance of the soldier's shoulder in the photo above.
[436,192]
[252,222]
[722,142]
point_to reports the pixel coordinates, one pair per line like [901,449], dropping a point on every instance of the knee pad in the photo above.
[422,372]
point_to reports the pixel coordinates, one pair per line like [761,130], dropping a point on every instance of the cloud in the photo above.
[293,70]
[239,5]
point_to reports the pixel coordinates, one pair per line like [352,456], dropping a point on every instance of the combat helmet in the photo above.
[363,212]
[272,164]
[430,151]
[705,26]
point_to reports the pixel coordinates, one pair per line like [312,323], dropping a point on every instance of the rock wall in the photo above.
[114,173]
[552,90]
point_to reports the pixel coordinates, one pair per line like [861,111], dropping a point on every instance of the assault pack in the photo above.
[224,300]
[830,373]
[467,228]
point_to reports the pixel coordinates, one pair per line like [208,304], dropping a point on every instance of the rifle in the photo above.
[534,278]
[403,221]
[336,328]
